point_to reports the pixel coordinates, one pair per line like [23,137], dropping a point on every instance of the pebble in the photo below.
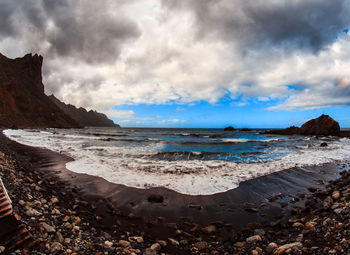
[239,244]
[55,246]
[254,239]
[58,237]
[32,212]
[108,244]
[173,242]
[209,229]
[124,243]
[155,247]
[47,227]
[201,245]
[336,195]
[292,246]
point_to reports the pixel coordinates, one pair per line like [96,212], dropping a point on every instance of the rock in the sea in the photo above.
[323,125]
[323,145]
[229,128]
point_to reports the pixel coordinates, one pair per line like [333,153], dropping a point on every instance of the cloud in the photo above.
[99,54]
[292,24]
[128,115]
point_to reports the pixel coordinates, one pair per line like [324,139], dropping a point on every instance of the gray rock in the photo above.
[32,212]
[55,246]
[173,241]
[47,227]
[58,237]
[254,239]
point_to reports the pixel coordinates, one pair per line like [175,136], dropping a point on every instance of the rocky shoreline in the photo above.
[65,223]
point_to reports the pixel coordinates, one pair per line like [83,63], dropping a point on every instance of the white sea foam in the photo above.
[132,166]
[235,140]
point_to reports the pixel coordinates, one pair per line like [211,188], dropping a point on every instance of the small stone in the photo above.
[336,194]
[254,239]
[58,237]
[259,231]
[108,244]
[255,252]
[201,245]
[258,249]
[133,216]
[298,225]
[162,243]
[291,246]
[239,244]
[149,251]
[55,246]
[67,225]
[209,229]
[155,247]
[124,243]
[54,200]
[272,245]
[47,227]
[22,203]
[173,241]
[310,224]
[252,210]
[32,212]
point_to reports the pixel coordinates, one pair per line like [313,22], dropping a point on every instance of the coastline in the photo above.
[236,213]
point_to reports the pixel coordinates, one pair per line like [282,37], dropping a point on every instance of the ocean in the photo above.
[189,161]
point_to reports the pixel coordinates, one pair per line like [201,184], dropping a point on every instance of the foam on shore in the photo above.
[133,166]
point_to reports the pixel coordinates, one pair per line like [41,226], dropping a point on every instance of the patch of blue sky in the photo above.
[240,113]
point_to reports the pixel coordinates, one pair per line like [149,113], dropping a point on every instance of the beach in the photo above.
[98,216]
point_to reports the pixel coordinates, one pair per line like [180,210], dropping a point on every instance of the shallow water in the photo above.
[189,161]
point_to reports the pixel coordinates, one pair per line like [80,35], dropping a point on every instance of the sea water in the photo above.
[189,161]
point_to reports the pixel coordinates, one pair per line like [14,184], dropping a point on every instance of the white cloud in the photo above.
[174,51]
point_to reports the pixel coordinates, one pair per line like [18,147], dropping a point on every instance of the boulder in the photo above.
[230,128]
[323,125]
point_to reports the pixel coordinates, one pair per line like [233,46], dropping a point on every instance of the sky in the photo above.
[189,63]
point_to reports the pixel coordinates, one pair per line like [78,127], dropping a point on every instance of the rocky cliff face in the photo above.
[23,103]
[83,117]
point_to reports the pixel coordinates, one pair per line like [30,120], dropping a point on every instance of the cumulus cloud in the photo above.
[99,54]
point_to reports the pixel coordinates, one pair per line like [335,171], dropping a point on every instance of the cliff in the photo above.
[83,117]
[23,103]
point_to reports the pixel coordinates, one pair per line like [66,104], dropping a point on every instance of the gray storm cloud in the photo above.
[292,24]
[91,31]
[104,53]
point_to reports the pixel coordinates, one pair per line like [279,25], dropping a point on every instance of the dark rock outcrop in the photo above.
[229,128]
[323,125]
[82,116]
[23,103]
